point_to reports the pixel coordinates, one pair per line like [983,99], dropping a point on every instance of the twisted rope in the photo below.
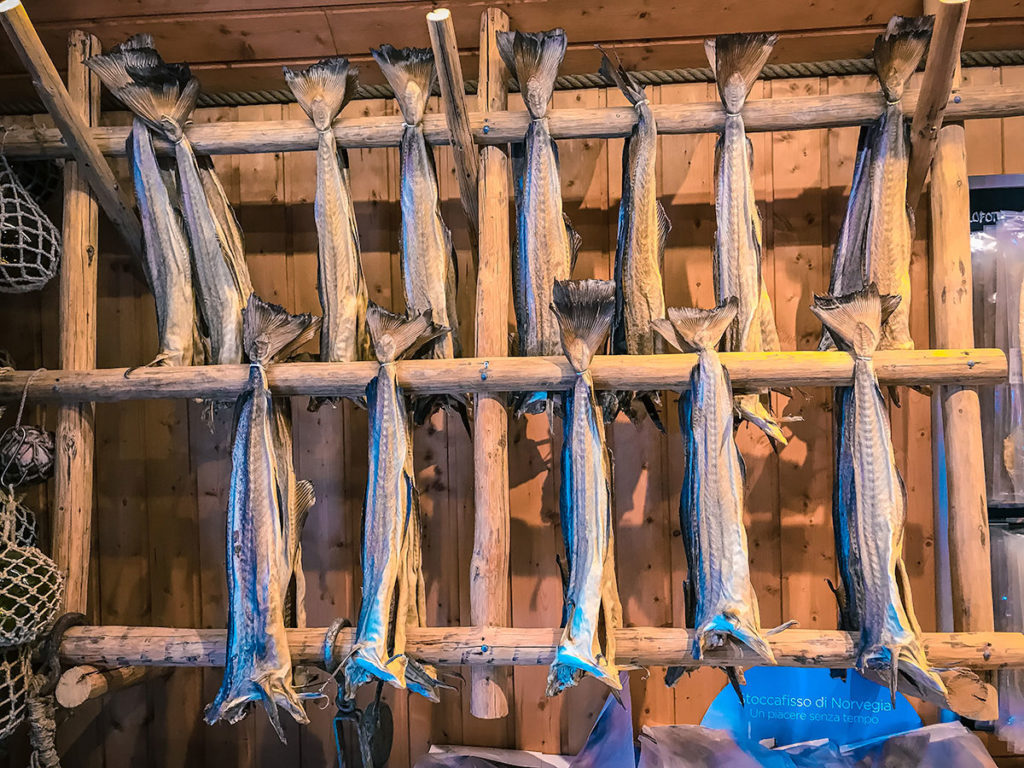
[834,68]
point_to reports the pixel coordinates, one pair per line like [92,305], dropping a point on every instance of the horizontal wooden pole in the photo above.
[507,646]
[506,374]
[504,127]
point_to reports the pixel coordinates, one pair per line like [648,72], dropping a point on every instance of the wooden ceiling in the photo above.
[242,44]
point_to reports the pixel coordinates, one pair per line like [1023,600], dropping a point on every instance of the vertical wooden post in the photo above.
[75,442]
[489,571]
[953,323]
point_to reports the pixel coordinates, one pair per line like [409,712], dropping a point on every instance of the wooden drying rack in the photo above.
[491,646]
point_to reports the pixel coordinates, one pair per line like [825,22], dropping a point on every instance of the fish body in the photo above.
[322,91]
[584,310]
[258,665]
[711,506]
[392,577]
[643,227]
[872,505]
[166,264]
[546,245]
[737,61]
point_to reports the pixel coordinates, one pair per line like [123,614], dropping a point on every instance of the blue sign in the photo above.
[791,705]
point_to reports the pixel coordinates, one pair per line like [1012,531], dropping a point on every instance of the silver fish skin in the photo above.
[167,265]
[259,665]
[737,61]
[390,513]
[849,268]
[546,245]
[322,90]
[712,503]
[584,310]
[875,512]
[643,228]
[889,231]
[428,258]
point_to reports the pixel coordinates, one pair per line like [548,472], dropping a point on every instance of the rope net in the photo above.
[30,245]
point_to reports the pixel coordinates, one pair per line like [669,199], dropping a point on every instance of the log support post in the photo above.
[453,96]
[72,518]
[489,597]
[93,169]
[80,684]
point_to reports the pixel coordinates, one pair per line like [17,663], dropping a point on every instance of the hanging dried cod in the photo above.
[166,262]
[164,96]
[643,227]
[546,244]
[720,600]
[322,91]
[584,311]
[869,514]
[266,510]
[875,239]
[393,595]
[737,61]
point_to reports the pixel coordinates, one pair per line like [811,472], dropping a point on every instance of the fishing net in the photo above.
[40,178]
[26,453]
[15,673]
[30,245]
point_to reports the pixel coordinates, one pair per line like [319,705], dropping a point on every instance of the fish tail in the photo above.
[626,82]
[570,666]
[533,59]
[423,679]
[276,693]
[750,408]
[411,74]
[394,336]
[898,51]
[365,664]
[737,61]
[457,404]
[855,320]
[323,89]
[584,310]
[271,332]
[689,329]
[742,629]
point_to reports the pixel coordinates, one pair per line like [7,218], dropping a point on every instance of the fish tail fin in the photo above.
[570,666]
[855,320]
[626,82]
[396,336]
[689,329]
[423,679]
[411,74]
[898,51]
[533,59]
[365,664]
[584,309]
[750,408]
[737,61]
[323,89]
[305,498]
[270,332]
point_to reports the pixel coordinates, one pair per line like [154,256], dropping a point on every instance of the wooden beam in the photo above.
[953,320]
[73,129]
[73,473]
[489,585]
[508,646]
[453,96]
[936,88]
[79,684]
[499,128]
[748,371]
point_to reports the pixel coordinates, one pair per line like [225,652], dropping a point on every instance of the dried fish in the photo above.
[643,227]
[584,310]
[546,244]
[264,500]
[166,263]
[429,262]
[322,91]
[711,507]
[164,96]
[392,591]
[897,53]
[737,61]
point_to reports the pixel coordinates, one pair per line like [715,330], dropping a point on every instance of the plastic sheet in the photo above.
[1008,592]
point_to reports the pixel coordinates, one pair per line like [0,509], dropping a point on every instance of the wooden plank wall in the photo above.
[162,469]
